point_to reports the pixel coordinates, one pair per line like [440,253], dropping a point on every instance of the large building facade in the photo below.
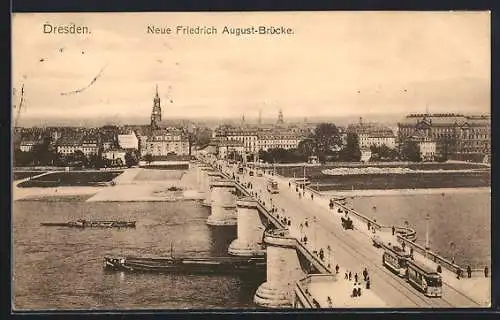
[457,137]
[159,141]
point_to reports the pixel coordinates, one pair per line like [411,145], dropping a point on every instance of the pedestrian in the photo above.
[345,275]
[458,273]
[305,239]
[365,274]
[486,272]
[411,253]
[337,268]
[369,225]
[439,269]
[354,291]
[289,185]
[368,283]
[393,230]
[356,277]
[359,289]
[350,275]
[312,196]
[469,272]
[403,244]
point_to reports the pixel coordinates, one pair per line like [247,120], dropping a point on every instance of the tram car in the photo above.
[396,260]
[425,279]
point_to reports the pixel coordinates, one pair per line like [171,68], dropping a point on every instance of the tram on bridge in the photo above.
[424,278]
[272,186]
[395,259]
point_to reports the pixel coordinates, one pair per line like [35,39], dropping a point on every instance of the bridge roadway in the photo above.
[350,249]
[313,259]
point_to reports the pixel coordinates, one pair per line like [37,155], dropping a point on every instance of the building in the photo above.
[116,156]
[366,154]
[157,140]
[372,134]
[165,142]
[156,112]
[427,149]
[226,148]
[128,140]
[68,144]
[90,144]
[278,139]
[247,136]
[457,136]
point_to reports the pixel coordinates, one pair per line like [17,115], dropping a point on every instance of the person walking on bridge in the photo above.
[350,275]
[337,269]
[469,272]
[356,277]
[312,196]
[289,185]
[393,230]
[365,274]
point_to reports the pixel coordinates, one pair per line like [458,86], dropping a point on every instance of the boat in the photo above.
[81,223]
[189,265]
[193,265]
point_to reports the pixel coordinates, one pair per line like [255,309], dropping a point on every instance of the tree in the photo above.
[79,156]
[411,151]
[306,147]
[383,153]
[148,158]
[130,159]
[351,152]
[326,139]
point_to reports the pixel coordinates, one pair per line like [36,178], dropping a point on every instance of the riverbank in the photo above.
[405,192]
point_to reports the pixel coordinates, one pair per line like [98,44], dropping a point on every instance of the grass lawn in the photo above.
[403,181]
[25,174]
[65,179]
[313,172]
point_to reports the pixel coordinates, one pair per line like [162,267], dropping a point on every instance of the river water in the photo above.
[61,268]
[463,219]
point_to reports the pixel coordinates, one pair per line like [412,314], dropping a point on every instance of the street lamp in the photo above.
[329,249]
[452,247]
[427,219]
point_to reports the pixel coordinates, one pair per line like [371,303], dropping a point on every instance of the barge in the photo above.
[194,265]
[80,223]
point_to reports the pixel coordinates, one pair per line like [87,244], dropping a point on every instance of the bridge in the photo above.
[304,242]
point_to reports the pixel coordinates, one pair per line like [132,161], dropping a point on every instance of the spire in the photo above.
[280,117]
[157,90]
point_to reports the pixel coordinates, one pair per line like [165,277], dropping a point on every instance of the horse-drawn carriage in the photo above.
[347,223]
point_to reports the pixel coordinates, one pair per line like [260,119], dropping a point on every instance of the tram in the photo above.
[395,259]
[272,186]
[424,279]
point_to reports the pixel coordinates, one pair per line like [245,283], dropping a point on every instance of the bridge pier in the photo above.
[250,230]
[205,184]
[223,203]
[211,176]
[283,271]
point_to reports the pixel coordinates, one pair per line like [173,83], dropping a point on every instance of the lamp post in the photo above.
[427,219]
[329,249]
[452,247]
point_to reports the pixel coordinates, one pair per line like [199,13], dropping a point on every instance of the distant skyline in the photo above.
[335,64]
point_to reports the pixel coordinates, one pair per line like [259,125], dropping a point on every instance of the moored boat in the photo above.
[196,265]
[81,223]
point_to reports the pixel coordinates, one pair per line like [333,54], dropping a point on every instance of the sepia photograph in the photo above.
[251,160]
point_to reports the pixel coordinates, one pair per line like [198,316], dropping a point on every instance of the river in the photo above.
[61,268]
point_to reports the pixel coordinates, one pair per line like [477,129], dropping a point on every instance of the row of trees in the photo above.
[327,144]
[77,159]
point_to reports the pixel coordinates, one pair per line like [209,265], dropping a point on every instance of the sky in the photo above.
[334,64]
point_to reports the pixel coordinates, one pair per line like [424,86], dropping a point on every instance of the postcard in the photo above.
[251,160]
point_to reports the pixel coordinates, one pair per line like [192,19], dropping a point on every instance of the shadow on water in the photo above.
[220,239]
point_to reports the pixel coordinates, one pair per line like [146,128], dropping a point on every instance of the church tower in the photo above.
[156,113]
[280,117]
